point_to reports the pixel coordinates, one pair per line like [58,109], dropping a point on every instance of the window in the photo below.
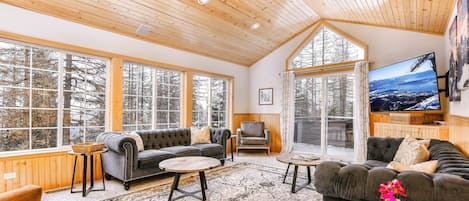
[49,98]
[209,102]
[152,97]
[324,110]
[327,47]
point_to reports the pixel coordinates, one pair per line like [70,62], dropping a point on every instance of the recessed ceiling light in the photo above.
[142,29]
[202,2]
[255,26]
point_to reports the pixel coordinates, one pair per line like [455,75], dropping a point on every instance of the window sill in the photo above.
[36,153]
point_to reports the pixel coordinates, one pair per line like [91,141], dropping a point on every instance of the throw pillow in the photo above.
[427,166]
[412,151]
[200,136]
[137,138]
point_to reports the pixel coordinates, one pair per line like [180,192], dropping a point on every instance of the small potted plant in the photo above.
[392,190]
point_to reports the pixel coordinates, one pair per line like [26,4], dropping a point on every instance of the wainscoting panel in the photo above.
[51,170]
[271,121]
[459,132]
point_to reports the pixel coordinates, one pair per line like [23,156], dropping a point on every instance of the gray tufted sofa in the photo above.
[337,181]
[124,162]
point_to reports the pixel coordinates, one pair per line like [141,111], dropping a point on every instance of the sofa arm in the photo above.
[339,180]
[25,193]
[267,136]
[122,145]
[220,136]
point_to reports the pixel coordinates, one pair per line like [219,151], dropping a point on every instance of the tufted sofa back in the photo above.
[382,149]
[161,138]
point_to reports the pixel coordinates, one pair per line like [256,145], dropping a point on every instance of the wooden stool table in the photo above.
[189,164]
[84,190]
[298,160]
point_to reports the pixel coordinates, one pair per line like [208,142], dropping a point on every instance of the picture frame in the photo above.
[266,96]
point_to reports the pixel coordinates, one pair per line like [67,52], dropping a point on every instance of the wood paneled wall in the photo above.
[271,121]
[459,132]
[51,170]
[384,117]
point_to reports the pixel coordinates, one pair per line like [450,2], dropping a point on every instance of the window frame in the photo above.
[315,30]
[229,99]
[59,92]
[154,110]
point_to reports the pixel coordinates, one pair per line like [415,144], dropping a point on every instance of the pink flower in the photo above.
[391,189]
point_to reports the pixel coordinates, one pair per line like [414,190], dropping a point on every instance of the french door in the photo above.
[324,115]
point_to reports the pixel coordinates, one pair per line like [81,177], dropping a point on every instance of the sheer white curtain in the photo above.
[361,125]
[287,116]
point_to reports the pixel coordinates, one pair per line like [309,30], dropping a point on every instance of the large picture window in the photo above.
[49,98]
[152,97]
[209,102]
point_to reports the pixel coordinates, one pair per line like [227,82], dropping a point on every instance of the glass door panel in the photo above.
[308,115]
[339,117]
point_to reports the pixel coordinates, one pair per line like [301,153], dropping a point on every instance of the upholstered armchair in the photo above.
[252,135]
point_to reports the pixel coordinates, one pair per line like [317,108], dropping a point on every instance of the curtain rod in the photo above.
[325,69]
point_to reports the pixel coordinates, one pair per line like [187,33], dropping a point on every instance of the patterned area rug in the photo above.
[240,182]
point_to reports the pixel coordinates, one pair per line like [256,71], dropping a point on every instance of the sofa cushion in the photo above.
[412,151]
[209,149]
[183,150]
[252,129]
[375,163]
[427,166]
[151,158]
[200,136]
[253,141]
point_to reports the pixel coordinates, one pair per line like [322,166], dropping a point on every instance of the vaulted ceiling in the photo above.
[222,28]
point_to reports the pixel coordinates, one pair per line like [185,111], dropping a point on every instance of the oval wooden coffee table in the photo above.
[296,159]
[181,165]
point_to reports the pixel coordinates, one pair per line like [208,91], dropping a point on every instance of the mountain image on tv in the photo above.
[406,86]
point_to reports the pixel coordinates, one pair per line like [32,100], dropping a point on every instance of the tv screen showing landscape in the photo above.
[405,86]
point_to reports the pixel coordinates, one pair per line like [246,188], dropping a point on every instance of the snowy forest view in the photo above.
[209,102]
[339,110]
[49,98]
[141,82]
[327,47]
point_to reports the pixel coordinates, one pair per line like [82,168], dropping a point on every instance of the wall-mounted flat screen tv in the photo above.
[410,85]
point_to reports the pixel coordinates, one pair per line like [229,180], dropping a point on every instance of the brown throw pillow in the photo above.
[137,138]
[412,151]
[427,166]
[200,136]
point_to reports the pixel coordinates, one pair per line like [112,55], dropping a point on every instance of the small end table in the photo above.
[188,164]
[295,159]
[84,190]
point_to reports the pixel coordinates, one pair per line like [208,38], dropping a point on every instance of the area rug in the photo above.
[239,182]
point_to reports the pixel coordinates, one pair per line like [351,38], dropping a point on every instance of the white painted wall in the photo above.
[456,108]
[385,46]
[24,22]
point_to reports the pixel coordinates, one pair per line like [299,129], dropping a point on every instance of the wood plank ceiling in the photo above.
[222,28]
[218,29]
[428,16]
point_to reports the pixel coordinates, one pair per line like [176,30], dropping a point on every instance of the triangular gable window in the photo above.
[327,47]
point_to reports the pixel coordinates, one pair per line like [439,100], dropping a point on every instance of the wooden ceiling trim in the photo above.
[447,15]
